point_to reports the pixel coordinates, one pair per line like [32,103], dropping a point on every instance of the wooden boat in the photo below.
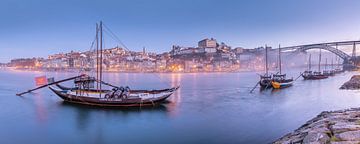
[279,80]
[83,93]
[115,98]
[265,80]
[282,83]
[329,73]
[337,70]
[86,93]
[310,75]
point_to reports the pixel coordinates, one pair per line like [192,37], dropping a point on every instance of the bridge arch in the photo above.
[338,52]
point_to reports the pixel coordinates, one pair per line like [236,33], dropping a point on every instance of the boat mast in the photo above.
[309,67]
[325,63]
[279,60]
[101,50]
[97,55]
[319,60]
[337,58]
[266,61]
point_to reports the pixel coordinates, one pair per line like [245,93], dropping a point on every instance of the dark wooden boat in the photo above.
[329,73]
[85,92]
[265,80]
[309,75]
[115,98]
[337,71]
[280,81]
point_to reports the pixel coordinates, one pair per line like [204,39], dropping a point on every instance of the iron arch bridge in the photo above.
[332,47]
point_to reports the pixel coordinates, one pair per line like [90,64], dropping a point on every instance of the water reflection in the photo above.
[84,113]
[115,110]
[217,107]
[41,111]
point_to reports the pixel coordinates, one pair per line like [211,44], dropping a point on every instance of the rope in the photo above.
[112,35]
[298,76]
[115,37]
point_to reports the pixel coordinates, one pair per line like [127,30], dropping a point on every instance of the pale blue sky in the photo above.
[32,28]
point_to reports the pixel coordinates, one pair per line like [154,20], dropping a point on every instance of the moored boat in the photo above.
[85,92]
[310,75]
[115,97]
[265,80]
[279,80]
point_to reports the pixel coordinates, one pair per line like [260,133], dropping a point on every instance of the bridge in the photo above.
[331,47]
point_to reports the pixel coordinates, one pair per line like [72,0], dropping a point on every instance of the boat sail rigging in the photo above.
[279,80]
[265,80]
[310,75]
[85,92]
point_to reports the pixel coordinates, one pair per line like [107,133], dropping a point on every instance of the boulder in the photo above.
[349,136]
[352,84]
[336,127]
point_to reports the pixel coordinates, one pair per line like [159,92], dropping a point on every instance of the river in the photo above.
[213,108]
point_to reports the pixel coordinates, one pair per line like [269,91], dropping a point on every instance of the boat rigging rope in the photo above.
[298,76]
[112,35]
[88,56]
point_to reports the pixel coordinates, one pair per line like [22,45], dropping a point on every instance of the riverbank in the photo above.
[352,84]
[335,127]
[120,71]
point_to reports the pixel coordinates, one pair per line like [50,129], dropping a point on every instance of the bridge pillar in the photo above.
[354,50]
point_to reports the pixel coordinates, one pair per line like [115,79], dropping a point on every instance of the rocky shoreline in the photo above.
[352,84]
[334,127]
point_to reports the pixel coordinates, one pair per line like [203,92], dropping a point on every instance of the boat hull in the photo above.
[280,85]
[314,77]
[265,85]
[114,102]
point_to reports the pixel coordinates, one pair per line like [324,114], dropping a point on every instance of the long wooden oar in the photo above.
[298,76]
[19,94]
[254,87]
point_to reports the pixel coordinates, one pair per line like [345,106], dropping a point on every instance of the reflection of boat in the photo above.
[280,80]
[156,108]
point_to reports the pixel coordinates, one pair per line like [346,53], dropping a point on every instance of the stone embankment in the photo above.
[333,127]
[352,84]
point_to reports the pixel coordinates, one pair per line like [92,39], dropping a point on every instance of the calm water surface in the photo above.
[208,108]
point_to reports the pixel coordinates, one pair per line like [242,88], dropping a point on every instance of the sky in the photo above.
[38,28]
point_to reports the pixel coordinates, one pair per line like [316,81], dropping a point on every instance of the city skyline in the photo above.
[40,28]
